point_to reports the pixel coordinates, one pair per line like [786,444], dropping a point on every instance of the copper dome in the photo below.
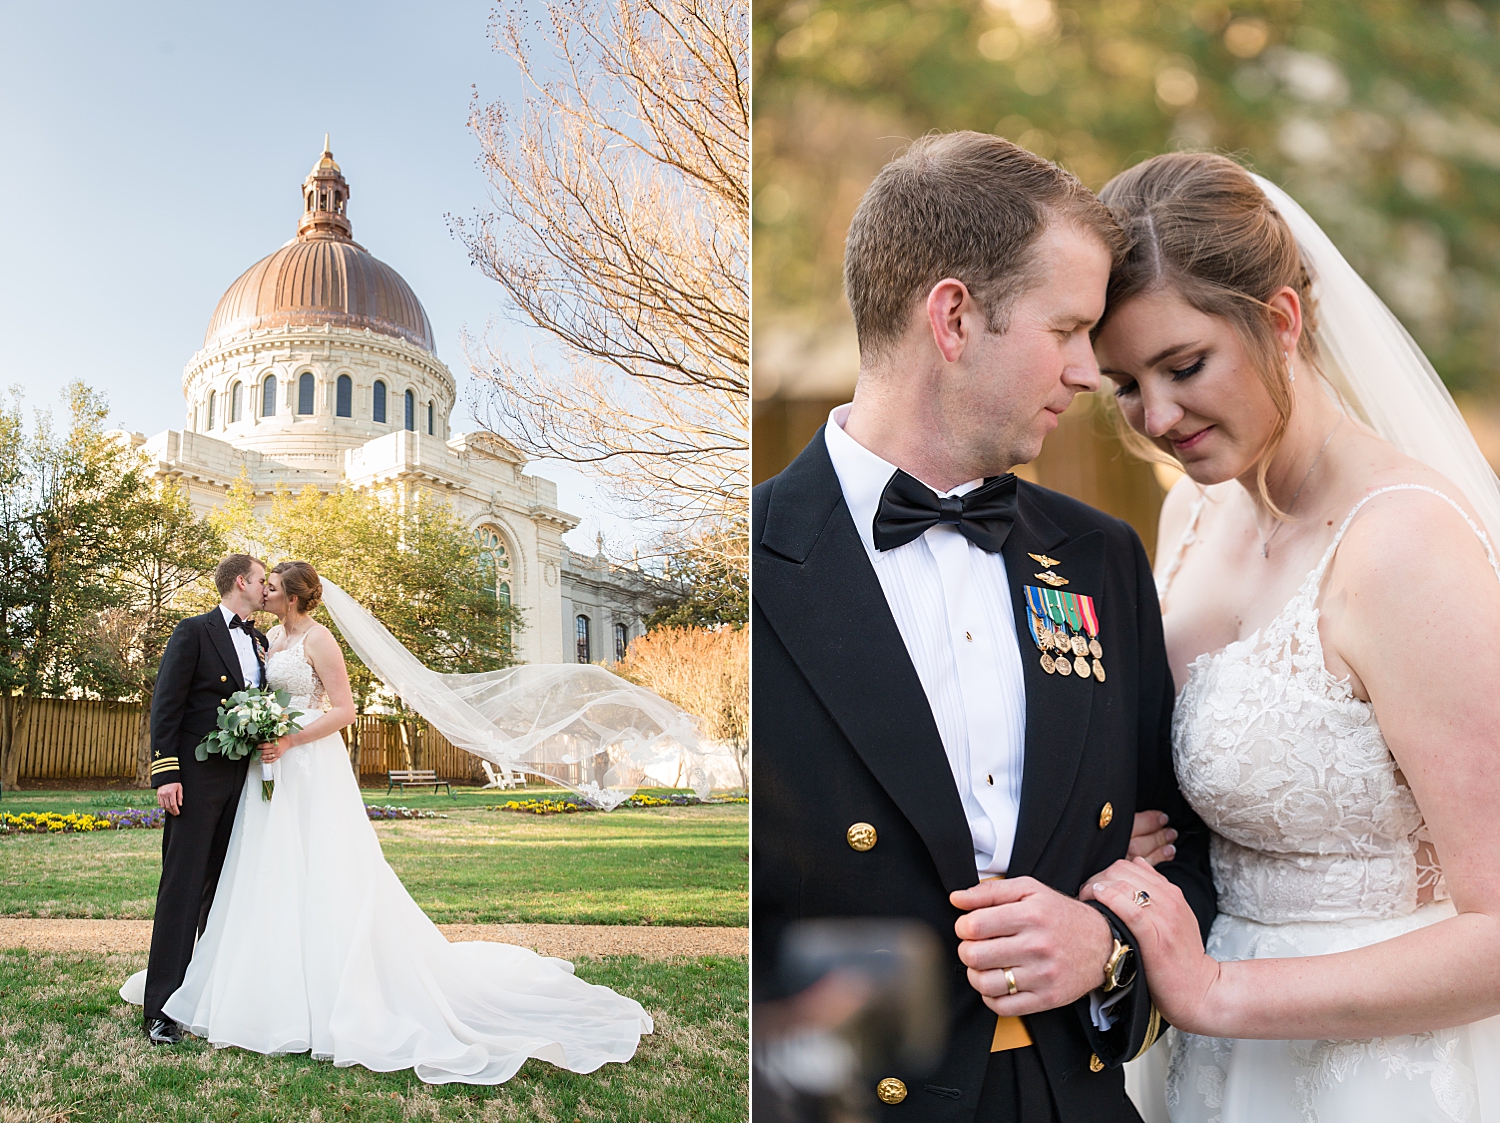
[322,277]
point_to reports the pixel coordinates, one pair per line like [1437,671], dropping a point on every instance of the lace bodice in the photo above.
[1312,819]
[289,670]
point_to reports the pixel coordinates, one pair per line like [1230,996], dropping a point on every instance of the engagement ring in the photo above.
[1142,898]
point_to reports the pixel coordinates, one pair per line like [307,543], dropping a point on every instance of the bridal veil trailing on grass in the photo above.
[574,724]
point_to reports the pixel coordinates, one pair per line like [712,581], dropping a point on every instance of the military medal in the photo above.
[1090,617]
[1043,559]
[1081,667]
[1041,632]
[1064,668]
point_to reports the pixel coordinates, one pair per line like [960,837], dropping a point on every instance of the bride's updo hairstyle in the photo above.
[300,580]
[1197,224]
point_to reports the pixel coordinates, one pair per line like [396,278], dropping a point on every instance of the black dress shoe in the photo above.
[163,1031]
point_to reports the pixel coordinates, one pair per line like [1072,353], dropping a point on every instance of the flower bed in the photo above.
[567,806]
[49,822]
[391,811]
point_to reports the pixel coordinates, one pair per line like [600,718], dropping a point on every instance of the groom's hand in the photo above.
[1054,946]
[169,798]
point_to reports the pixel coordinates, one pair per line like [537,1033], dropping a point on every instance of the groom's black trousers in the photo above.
[193,846]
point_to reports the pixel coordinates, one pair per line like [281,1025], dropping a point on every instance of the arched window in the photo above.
[429,419]
[344,403]
[212,401]
[234,401]
[305,393]
[494,559]
[379,412]
[268,397]
[411,411]
[622,641]
[581,631]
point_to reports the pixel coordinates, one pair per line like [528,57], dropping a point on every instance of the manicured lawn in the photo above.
[71,1049]
[671,866]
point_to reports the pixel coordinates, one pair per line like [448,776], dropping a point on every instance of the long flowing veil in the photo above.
[1387,382]
[574,724]
[1383,376]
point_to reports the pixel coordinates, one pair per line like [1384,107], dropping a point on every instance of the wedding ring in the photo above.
[1142,898]
[1010,982]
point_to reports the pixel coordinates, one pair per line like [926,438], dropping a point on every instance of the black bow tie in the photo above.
[908,507]
[244,626]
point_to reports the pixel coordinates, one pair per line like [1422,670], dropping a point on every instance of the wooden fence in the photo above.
[66,739]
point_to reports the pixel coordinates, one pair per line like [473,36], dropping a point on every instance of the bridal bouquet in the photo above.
[249,718]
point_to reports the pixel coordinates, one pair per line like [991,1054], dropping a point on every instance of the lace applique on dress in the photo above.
[1318,843]
[289,670]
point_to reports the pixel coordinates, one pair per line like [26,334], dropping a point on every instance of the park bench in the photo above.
[416,778]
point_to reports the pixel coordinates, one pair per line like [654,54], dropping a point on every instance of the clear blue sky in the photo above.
[150,153]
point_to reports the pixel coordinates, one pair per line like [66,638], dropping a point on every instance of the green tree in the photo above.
[68,505]
[406,558]
[714,590]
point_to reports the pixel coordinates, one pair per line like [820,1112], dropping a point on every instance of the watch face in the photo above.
[1124,972]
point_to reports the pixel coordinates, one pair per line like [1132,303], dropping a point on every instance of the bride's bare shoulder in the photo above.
[1411,516]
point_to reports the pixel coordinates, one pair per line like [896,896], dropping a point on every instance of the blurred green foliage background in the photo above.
[1381,116]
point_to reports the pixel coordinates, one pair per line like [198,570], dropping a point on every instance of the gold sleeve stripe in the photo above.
[1153,1031]
[166,763]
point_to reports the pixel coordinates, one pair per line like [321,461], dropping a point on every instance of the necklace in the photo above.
[1265,543]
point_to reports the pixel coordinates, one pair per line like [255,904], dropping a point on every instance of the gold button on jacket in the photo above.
[223,678]
[1106,815]
[861,836]
[890,1090]
[1095,1064]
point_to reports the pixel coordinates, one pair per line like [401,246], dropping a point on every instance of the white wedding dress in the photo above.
[1318,846]
[313,944]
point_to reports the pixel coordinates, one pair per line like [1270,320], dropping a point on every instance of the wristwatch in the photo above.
[1119,968]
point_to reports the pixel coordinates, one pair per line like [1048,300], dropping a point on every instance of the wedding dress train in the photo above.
[313,944]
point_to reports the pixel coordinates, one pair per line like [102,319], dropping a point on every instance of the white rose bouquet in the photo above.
[249,718]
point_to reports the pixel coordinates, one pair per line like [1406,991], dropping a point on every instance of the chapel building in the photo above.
[319,367]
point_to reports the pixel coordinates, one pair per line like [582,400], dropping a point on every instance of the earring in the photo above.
[1291,375]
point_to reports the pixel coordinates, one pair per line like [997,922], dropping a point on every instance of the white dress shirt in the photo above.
[952,605]
[244,647]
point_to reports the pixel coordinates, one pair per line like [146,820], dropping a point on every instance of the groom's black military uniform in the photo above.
[844,734]
[199,671]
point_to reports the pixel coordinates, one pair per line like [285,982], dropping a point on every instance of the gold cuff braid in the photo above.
[1153,1031]
[165,764]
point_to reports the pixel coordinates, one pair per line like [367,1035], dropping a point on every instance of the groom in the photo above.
[924,748]
[208,658]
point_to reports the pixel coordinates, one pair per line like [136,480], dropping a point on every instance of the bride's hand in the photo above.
[1181,978]
[270,750]
[1151,838]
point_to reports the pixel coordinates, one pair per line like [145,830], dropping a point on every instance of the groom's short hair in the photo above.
[232,568]
[965,205]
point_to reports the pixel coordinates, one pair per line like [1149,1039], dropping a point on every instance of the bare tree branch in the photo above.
[620,226]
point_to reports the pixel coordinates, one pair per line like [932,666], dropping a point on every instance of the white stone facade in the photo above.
[300,402]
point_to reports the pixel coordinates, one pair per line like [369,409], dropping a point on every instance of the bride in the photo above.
[313,944]
[1332,614]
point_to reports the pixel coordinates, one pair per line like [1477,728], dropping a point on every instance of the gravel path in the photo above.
[567,941]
